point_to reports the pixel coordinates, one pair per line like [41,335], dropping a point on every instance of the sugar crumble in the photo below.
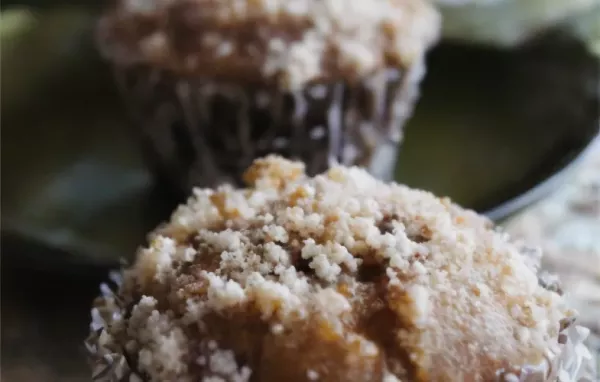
[350,277]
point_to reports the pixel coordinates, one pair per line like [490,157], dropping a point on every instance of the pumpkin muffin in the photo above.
[213,85]
[337,277]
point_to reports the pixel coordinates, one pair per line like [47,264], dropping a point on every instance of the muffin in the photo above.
[337,277]
[213,85]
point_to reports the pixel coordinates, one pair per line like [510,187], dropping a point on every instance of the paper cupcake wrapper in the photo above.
[198,132]
[569,361]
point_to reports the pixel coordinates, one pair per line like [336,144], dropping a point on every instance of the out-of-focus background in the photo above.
[507,125]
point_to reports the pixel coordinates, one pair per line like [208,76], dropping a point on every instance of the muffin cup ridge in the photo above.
[201,132]
[570,360]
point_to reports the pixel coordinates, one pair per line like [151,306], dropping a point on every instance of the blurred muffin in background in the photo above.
[507,23]
[213,85]
[337,277]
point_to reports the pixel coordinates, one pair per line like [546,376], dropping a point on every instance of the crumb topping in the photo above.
[334,277]
[290,42]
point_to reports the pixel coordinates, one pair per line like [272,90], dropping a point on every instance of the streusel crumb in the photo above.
[337,277]
[290,42]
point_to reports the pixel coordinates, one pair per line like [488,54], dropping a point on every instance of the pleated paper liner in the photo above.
[197,132]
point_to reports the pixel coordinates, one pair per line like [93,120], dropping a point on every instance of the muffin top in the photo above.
[334,277]
[283,42]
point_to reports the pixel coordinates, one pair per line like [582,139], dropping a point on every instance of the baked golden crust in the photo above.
[284,42]
[331,278]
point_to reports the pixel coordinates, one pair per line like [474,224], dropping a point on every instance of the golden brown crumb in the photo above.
[335,277]
[289,41]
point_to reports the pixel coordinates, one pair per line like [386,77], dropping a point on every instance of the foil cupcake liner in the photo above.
[569,361]
[198,132]
[107,358]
